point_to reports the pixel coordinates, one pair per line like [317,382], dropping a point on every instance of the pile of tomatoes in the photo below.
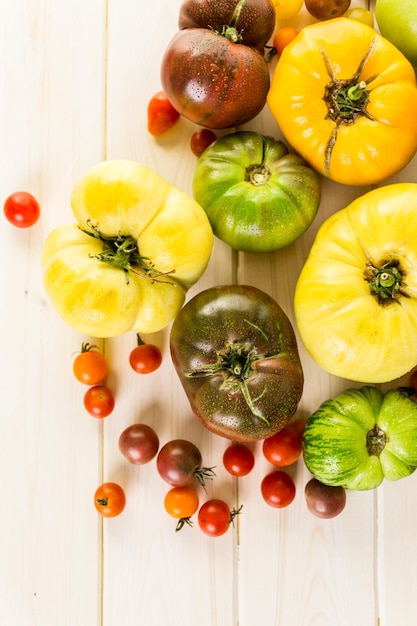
[179,462]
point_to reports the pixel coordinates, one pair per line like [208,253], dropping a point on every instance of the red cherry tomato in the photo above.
[201,139]
[109,499]
[145,357]
[278,489]
[99,401]
[90,366]
[161,114]
[22,209]
[238,459]
[285,447]
[215,517]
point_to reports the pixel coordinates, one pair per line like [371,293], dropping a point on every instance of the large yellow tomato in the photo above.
[356,296]
[139,243]
[346,100]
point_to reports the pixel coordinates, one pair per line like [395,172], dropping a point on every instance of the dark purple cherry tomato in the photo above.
[324,501]
[179,462]
[139,443]
[238,459]
[201,139]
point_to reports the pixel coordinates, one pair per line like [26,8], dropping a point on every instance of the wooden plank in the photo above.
[50,121]
[173,578]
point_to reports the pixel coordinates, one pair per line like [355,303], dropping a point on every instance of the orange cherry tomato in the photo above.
[283,37]
[161,114]
[110,499]
[90,366]
[181,503]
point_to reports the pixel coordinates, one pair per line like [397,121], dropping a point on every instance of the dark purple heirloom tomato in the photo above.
[253,20]
[235,353]
[209,72]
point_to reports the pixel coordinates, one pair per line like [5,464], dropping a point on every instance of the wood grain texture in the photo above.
[75,80]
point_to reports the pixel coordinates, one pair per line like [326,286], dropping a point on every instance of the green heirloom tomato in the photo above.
[236,356]
[362,436]
[257,196]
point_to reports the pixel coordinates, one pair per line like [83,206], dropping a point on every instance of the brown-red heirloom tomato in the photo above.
[253,19]
[208,72]
[236,355]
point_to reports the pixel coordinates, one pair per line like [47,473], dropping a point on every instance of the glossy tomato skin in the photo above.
[253,19]
[22,209]
[99,401]
[178,461]
[139,443]
[257,196]
[110,499]
[214,518]
[90,366]
[212,81]
[161,114]
[278,489]
[145,358]
[238,459]
[235,353]
[285,447]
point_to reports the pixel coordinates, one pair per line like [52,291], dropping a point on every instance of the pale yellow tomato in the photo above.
[362,15]
[138,245]
[285,9]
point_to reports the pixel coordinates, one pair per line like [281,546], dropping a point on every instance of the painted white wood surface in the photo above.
[75,80]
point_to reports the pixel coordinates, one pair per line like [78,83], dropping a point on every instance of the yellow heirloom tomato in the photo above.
[138,245]
[346,100]
[356,296]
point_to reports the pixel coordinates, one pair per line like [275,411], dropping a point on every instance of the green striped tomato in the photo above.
[362,436]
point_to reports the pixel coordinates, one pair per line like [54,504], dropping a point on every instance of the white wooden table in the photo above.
[75,80]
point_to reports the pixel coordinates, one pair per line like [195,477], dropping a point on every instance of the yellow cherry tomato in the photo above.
[362,15]
[284,9]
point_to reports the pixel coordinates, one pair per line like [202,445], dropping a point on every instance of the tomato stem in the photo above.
[122,252]
[385,281]
[182,522]
[102,501]
[376,440]
[204,473]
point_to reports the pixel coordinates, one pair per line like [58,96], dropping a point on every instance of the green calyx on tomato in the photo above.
[104,273]
[362,436]
[258,197]
[236,356]
[213,70]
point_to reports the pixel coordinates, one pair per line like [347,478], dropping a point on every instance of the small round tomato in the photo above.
[179,462]
[181,503]
[22,209]
[283,37]
[139,443]
[90,366]
[161,114]
[278,489]
[327,9]
[285,9]
[215,517]
[361,15]
[238,459]
[285,447]
[201,139]
[99,401]
[109,499]
[145,357]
